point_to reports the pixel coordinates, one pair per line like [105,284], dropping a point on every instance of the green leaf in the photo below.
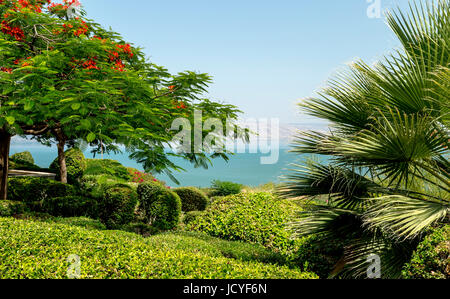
[76,106]
[29,104]
[90,137]
[85,123]
[11,120]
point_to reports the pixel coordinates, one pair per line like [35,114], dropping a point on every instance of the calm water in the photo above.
[242,168]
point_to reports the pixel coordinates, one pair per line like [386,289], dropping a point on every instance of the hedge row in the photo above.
[24,253]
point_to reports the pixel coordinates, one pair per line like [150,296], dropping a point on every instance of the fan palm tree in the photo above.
[387,176]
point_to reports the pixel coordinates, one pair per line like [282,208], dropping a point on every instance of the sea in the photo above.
[243,168]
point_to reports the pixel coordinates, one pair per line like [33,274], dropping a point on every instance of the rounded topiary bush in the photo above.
[23,157]
[76,165]
[118,205]
[159,206]
[192,199]
[23,161]
[251,217]
[431,260]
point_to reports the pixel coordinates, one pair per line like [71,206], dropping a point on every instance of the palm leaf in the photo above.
[404,217]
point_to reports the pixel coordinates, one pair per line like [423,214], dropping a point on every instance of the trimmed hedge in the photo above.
[107,167]
[191,216]
[192,199]
[253,217]
[40,250]
[75,163]
[220,188]
[118,205]
[159,206]
[431,260]
[23,157]
[24,161]
[11,208]
[33,190]
[70,206]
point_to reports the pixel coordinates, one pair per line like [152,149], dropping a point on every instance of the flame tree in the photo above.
[65,78]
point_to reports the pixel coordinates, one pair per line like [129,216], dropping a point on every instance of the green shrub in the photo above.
[191,216]
[32,190]
[11,208]
[431,260]
[75,163]
[24,157]
[107,167]
[31,250]
[220,188]
[140,229]
[24,161]
[83,222]
[159,206]
[318,255]
[90,186]
[253,217]
[70,206]
[94,185]
[117,206]
[192,199]
[27,166]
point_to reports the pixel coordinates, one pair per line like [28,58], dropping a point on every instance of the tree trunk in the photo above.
[62,161]
[5,142]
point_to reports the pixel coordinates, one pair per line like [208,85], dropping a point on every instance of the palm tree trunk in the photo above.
[5,142]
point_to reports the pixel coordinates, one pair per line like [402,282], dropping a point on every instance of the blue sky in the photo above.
[264,55]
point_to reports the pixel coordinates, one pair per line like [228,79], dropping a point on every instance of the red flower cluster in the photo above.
[6,70]
[126,49]
[118,55]
[20,6]
[119,66]
[58,7]
[114,56]
[82,29]
[15,32]
[180,105]
[90,64]
[23,64]
[140,177]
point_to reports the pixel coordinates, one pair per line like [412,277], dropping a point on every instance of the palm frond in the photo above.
[395,145]
[403,217]
[393,256]
[343,187]
[330,222]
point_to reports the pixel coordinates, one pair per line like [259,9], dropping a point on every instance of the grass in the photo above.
[38,248]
